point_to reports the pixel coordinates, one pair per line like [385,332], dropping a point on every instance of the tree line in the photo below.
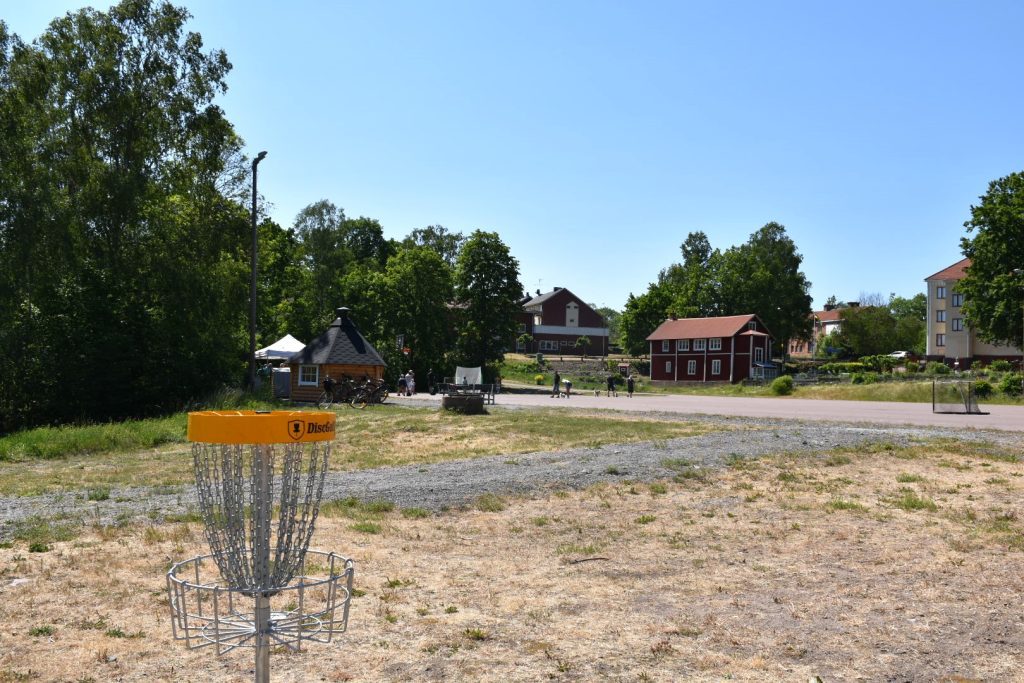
[124,236]
[761,276]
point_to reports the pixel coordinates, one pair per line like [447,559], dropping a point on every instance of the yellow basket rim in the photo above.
[260,427]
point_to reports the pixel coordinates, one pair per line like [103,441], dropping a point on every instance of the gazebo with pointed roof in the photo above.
[341,351]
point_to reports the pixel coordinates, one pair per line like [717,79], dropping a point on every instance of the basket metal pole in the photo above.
[261,513]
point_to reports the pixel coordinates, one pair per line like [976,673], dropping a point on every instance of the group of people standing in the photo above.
[557,392]
[407,384]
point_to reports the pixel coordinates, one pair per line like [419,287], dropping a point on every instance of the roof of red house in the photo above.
[697,328]
[828,316]
[957,271]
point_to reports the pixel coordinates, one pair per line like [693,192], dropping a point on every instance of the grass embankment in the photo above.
[848,564]
[154,452]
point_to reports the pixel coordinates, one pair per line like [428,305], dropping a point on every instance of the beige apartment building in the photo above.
[950,340]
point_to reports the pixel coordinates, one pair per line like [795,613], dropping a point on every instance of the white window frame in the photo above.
[715,344]
[664,346]
[940,292]
[958,324]
[958,299]
[940,339]
[303,374]
[682,345]
[716,367]
[940,315]
[691,367]
[547,345]
[668,366]
[758,355]
[700,344]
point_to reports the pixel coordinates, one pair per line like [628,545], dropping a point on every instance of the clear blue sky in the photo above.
[593,136]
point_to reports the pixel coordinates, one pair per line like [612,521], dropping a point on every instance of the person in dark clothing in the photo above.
[630,384]
[555,390]
[611,385]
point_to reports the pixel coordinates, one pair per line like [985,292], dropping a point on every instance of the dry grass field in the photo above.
[901,565]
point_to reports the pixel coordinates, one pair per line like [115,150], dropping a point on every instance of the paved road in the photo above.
[1008,418]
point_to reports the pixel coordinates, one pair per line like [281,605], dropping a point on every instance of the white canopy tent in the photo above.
[282,349]
[468,375]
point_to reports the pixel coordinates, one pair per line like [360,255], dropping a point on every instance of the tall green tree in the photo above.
[993,293]
[641,316]
[487,293]
[325,259]
[438,238]
[763,276]
[611,319]
[122,262]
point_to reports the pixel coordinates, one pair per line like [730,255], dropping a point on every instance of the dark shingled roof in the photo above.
[341,344]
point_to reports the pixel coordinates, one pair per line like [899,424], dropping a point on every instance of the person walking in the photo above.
[556,387]
[611,385]
[630,384]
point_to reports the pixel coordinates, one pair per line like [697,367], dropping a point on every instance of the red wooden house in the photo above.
[727,349]
[557,319]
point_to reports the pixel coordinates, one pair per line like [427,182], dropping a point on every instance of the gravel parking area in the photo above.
[442,486]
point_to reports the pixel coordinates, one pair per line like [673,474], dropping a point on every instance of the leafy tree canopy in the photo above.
[122,256]
[487,292]
[993,292]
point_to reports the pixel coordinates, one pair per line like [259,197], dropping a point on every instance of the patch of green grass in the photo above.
[41,531]
[100,493]
[910,501]
[842,504]
[415,513]
[645,519]
[540,521]
[613,470]
[837,459]
[490,502]
[47,443]
[366,527]
[907,478]
[40,631]
[579,548]
[658,489]
[451,609]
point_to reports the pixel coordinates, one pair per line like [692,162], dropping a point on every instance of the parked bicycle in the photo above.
[373,391]
[337,392]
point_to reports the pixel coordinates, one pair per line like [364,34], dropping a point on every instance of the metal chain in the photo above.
[228,486]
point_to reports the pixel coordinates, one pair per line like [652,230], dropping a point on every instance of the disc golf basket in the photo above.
[260,586]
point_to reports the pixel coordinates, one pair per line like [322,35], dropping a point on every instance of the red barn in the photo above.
[727,349]
[557,319]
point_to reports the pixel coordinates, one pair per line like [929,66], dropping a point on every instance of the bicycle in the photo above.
[374,391]
[336,392]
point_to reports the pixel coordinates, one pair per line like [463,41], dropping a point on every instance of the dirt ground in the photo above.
[896,565]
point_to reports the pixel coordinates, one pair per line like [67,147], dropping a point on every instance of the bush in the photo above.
[539,379]
[782,385]
[1010,384]
[983,389]
[934,367]
[841,368]
[1000,365]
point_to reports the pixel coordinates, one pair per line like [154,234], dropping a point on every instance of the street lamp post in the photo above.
[252,280]
[1019,272]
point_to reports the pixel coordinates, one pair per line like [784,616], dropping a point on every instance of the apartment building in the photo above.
[950,339]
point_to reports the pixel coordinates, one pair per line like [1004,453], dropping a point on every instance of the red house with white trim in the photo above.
[726,349]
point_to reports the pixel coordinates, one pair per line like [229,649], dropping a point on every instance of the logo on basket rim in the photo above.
[296,429]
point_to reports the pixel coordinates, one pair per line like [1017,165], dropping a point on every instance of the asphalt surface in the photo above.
[1001,417]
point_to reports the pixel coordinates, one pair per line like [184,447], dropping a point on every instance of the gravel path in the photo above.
[453,484]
